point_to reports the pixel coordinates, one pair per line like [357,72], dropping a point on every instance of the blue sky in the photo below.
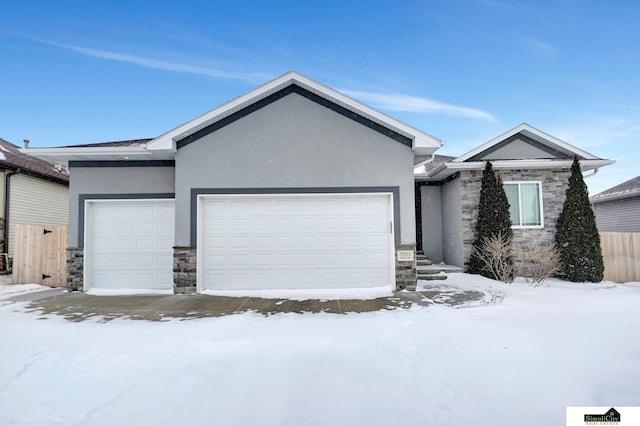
[464,71]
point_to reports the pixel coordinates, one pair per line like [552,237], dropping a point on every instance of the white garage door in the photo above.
[130,244]
[310,241]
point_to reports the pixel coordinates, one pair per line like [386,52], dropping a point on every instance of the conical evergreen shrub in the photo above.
[493,218]
[577,237]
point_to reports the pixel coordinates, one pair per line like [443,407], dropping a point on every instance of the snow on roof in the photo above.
[626,189]
[427,166]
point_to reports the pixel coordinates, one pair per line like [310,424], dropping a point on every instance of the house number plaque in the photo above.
[405,255]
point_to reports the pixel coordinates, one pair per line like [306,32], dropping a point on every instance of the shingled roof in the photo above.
[133,142]
[12,158]
[630,188]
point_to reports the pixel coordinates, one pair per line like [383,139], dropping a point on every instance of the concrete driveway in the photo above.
[80,306]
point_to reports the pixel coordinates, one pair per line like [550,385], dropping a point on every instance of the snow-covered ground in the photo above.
[518,359]
[8,290]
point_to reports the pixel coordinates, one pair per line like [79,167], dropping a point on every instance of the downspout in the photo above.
[595,172]
[5,232]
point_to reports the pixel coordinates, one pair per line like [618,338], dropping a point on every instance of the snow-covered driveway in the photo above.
[521,361]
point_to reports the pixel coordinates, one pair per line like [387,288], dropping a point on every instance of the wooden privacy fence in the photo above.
[621,253]
[40,255]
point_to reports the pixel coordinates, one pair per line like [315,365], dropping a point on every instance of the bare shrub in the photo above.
[539,263]
[495,254]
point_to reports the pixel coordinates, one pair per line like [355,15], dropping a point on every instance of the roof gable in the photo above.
[11,157]
[294,88]
[539,145]
[523,147]
[519,147]
[293,82]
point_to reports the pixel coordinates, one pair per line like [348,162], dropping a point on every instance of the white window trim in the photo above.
[539,183]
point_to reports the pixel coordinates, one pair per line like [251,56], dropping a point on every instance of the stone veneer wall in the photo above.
[184,270]
[554,185]
[75,268]
[406,275]
[3,267]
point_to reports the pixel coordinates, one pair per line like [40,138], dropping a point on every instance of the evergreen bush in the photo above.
[493,219]
[577,237]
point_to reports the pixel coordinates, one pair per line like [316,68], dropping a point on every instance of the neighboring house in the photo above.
[33,191]
[618,209]
[292,185]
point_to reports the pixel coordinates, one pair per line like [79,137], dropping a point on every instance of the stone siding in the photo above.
[554,186]
[75,269]
[3,267]
[184,270]
[406,275]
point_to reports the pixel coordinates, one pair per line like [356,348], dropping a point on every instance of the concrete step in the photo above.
[427,270]
[432,277]
[448,269]
[423,262]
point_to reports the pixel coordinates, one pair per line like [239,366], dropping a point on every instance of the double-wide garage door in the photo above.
[295,241]
[130,244]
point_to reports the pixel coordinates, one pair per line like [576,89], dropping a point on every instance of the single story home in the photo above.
[293,186]
[618,209]
[33,191]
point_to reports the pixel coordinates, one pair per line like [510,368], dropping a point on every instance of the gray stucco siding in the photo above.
[114,180]
[432,222]
[452,219]
[294,143]
[516,150]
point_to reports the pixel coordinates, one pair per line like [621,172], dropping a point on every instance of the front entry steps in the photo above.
[427,271]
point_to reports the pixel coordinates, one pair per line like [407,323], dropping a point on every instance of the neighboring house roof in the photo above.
[165,146]
[627,189]
[12,158]
[523,147]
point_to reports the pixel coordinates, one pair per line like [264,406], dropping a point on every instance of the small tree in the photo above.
[493,219]
[577,237]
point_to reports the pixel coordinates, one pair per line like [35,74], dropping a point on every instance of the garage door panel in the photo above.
[292,241]
[130,244]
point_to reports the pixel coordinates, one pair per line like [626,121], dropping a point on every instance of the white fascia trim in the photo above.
[64,155]
[527,164]
[44,152]
[167,140]
[538,134]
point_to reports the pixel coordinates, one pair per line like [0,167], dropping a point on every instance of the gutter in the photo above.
[5,232]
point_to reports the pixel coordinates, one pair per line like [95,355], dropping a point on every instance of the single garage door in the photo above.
[129,244]
[301,241]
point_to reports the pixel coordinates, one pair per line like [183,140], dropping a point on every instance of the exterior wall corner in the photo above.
[75,269]
[184,269]
[406,273]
